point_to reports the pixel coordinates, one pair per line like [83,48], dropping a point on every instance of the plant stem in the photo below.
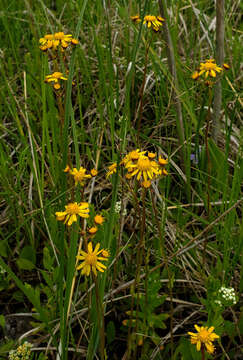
[100,319]
[219,60]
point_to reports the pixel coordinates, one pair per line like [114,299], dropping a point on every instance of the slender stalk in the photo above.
[208,118]
[219,59]
[100,319]
[203,352]
[140,104]
[141,245]
[166,263]
[172,68]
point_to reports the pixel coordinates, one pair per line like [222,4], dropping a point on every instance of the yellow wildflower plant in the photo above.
[80,175]
[52,41]
[71,211]
[55,79]
[207,68]
[91,260]
[203,337]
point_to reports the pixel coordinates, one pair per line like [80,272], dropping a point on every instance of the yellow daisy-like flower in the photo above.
[204,337]
[93,230]
[111,170]
[71,211]
[135,19]
[209,68]
[80,175]
[91,260]
[98,219]
[153,21]
[143,168]
[67,169]
[93,172]
[55,79]
[52,41]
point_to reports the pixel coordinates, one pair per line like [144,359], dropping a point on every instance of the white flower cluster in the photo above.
[228,294]
[118,209]
[21,353]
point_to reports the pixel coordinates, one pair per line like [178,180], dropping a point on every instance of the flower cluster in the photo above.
[228,295]
[142,166]
[57,40]
[204,337]
[150,21]
[208,69]
[23,352]
[118,209]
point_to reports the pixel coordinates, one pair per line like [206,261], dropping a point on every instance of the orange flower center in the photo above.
[150,18]
[91,259]
[79,176]
[209,66]
[72,209]
[203,335]
[144,164]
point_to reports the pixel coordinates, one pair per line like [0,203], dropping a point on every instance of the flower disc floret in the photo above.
[98,219]
[203,337]
[91,261]
[111,170]
[71,211]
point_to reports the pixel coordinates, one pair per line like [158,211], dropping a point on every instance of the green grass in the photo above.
[166,265]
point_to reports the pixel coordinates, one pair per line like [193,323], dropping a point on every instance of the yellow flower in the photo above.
[209,68]
[79,175]
[55,78]
[67,169]
[91,260]
[155,21]
[143,168]
[195,75]
[52,41]
[111,169]
[203,337]
[226,66]
[46,42]
[93,172]
[146,184]
[105,253]
[71,211]
[93,230]
[98,219]
[135,19]
[163,162]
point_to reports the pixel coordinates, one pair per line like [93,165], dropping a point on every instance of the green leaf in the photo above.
[25,264]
